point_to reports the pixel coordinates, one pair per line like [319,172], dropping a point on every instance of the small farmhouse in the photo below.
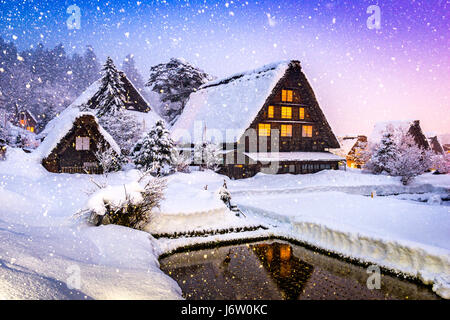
[72,144]
[435,145]
[267,119]
[352,149]
[27,121]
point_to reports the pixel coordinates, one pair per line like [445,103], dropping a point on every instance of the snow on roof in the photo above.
[82,99]
[293,156]
[380,127]
[229,103]
[62,125]
[347,144]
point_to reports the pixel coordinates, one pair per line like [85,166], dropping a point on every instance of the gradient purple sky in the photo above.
[360,76]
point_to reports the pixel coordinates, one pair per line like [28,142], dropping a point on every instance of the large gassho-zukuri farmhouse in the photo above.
[265,120]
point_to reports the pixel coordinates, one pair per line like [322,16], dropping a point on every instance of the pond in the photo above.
[276,269]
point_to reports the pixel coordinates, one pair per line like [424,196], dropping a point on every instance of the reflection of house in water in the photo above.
[289,273]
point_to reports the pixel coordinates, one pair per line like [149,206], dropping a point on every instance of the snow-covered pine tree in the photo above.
[109,105]
[410,160]
[383,153]
[172,83]
[111,96]
[155,151]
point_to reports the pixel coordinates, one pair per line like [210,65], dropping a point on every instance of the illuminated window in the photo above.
[31,129]
[264,130]
[22,122]
[301,113]
[82,143]
[286,130]
[286,112]
[270,112]
[286,95]
[307,131]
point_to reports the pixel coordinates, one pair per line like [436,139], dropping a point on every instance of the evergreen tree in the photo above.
[111,96]
[91,67]
[172,83]
[383,153]
[155,150]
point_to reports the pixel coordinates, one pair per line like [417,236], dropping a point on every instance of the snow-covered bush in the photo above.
[398,154]
[109,160]
[155,151]
[225,195]
[182,163]
[127,205]
[410,160]
[207,155]
[441,163]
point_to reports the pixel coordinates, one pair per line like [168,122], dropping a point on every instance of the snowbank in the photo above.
[400,235]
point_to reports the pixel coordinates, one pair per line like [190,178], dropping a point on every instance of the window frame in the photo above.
[305,132]
[287,115]
[301,113]
[264,128]
[82,143]
[286,133]
[287,95]
[271,112]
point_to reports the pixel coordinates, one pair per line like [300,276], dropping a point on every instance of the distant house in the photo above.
[2,149]
[410,126]
[435,144]
[446,148]
[267,119]
[27,121]
[351,149]
[71,145]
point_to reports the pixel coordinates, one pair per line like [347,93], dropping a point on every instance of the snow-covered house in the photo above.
[406,126]
[72,144]
[351,149]
[435,145]
[26,120]
[267,119]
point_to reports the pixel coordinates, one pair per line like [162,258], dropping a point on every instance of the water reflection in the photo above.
[278,270]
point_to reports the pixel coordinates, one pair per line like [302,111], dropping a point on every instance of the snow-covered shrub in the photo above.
[441,163]
[123,127]
[207,155]
[182,163]
[410,160]
[127,205]
[109,160]
[225,195]
[155,151]
[398,154]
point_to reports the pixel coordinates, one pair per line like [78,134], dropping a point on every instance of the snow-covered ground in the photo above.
[43,247]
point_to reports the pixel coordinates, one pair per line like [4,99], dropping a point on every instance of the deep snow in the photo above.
[41,243]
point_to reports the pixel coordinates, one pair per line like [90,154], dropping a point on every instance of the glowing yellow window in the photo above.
[286,130]
[270,112]
[307,131]
[286,112]
[286,95]
[301,113]
[264,130]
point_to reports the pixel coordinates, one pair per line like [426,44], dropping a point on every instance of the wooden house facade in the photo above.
[352,149]
[267,119]
[72,145]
